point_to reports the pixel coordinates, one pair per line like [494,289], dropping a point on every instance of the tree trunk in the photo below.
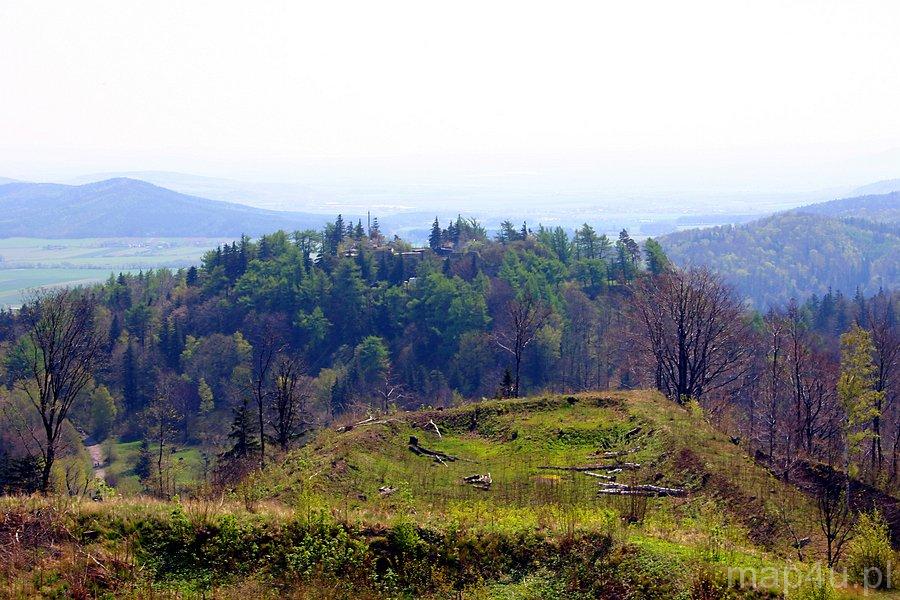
[159,462]
[49,457]
[518,365]
[262,435]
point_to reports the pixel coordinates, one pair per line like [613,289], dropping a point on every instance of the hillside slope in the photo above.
[131,208]
[885,186]
[518,441]
[795,255]
[358,513]
[883,208]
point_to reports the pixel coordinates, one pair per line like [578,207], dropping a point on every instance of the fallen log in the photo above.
[613,467]
[438,457]
[599,476]
[622,489]
[438,431]
[370,421]
[386,490]
[633,432]
[482,482]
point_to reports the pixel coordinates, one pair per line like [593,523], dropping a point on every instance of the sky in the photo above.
[640,96]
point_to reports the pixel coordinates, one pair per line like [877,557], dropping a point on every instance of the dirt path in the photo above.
[98,460]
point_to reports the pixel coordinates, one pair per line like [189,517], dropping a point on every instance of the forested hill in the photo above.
[796,254]
[883,208]
[125,207]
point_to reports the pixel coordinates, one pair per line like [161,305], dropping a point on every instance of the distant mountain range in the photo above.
[842,245]
[885,186]
[124,207]
[268,195]
[884,208]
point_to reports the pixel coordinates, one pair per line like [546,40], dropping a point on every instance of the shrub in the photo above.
[815,589]
[870,559]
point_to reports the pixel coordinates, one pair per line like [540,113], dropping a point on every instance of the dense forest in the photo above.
[353,384]
[795,254]
[882,208]
[269,339]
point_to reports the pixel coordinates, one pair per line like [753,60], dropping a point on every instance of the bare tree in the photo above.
[161,420]
[819,403]
[835,517]
[694,329]
[289,395]
[886,340]
[390,391]
[266,347]
[62,351]
[798,360]
[775,329]
[525,315]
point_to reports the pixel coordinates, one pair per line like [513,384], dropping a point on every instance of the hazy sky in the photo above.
[723,93]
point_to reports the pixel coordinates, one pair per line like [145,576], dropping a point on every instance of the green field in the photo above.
[187,463]
[27,263]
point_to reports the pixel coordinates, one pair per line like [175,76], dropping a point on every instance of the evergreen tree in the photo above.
[115,330]
[657,261]
[434,239]
[130,386]
[375,230]
[335,235]
[243,433]
[507,385]
[628,255]
[508,233]
[143,467]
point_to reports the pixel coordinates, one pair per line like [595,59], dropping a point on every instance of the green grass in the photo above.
[511,440]
[535,534]
[187,462]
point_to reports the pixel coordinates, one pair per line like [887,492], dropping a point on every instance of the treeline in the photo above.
[270,338]
[793,255]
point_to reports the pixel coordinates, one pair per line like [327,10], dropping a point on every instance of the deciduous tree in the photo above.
[64,350]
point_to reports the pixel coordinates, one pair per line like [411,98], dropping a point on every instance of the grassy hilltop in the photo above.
[316,525]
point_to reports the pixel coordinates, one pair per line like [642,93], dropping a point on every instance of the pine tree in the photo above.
[507,385]
[434,239]
[657,261]
[115,330]
[508,233]
[143,467]
[337,233]
[130,387]
[243,433]
[629,253]
[375,230]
